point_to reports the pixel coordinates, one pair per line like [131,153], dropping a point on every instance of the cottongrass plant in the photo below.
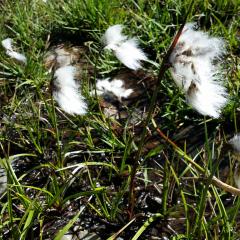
[45,200]
[125,49]
[194,71]
[7,44]
[66,91]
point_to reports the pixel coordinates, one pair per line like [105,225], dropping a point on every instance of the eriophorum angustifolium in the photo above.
[126,49]
[193,70]
[138,156]
[7,44]
[67,93]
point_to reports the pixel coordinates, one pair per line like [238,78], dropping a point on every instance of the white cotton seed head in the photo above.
[65,76]
[18,56]
[113,36]
[130,54]
[202,43]
[67,92]
[115,86]
[182,76]
[7,44]
[194,72]
[235,142]
[70,101]
[205,103]
[126,50]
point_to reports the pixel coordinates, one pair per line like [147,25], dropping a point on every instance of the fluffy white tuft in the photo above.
[113,36]
[7,44]
[193,70]
[130,55]
[115,86]
[67,92]
[18,56]
[235,142]
[126,50]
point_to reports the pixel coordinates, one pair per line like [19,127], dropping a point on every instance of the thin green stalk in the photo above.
[114,236]
[165,188]
[164,66]
[146,225]
[64,230]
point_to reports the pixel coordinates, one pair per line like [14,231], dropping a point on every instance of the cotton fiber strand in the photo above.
[195,73]
[67,92]
[7,44]
[126,50]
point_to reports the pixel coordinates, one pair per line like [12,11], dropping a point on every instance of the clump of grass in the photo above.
[69,174]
